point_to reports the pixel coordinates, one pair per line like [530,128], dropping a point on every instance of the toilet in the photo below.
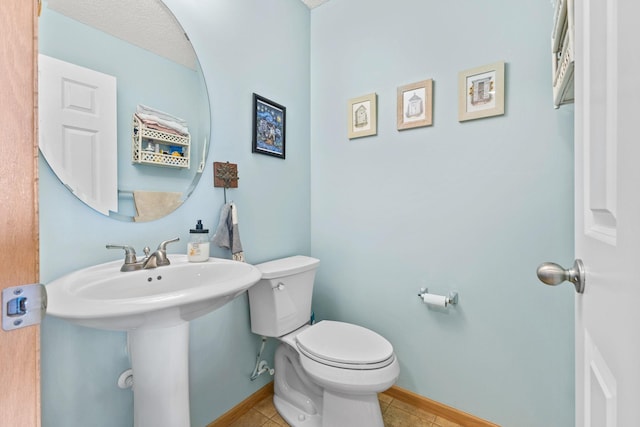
[327,374]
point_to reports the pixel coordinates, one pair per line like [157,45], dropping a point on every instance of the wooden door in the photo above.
[19,349]
[607,212]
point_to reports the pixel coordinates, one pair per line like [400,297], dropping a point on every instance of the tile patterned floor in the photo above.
[394,412]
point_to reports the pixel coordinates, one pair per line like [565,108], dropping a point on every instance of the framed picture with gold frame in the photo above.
[481,92]
[363,116]
[415,105]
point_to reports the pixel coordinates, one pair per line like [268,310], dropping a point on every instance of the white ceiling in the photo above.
[313,3]
[145,23]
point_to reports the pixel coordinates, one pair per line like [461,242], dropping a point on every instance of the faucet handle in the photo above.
[129,252]
[163,246]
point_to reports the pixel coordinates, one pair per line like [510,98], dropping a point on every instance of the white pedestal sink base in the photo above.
[160,364]
[154,307]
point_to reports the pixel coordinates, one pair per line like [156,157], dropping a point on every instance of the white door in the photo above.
[78,130]
[607,212]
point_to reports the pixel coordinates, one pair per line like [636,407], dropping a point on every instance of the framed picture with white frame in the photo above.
[363,116]
[481,92]
[415,105]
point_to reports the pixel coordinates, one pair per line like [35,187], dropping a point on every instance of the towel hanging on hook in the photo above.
[227,233]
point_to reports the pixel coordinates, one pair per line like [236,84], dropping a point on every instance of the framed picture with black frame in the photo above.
[269,127]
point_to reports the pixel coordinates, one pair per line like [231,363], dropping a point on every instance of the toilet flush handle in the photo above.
[279,286]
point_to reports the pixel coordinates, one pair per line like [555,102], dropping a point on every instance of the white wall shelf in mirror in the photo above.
[159,148]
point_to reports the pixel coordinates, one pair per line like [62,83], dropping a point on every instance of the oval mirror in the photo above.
[124,118]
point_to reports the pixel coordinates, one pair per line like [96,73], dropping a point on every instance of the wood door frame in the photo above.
[19,235]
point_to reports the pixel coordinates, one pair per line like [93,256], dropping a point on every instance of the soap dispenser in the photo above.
[198,246]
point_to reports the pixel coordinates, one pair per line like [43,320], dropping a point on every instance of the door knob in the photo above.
[553,274]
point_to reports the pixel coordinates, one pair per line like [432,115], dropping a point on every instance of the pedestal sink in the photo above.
[154,306]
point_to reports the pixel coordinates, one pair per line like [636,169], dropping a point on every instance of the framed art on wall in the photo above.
[269,127]
[363,120]
[481,92]
[415,105]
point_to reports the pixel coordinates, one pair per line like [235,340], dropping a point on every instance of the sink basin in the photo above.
[154,306]
[103,297]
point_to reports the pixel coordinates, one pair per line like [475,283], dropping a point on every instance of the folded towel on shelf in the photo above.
[152,205]
[153,124]
[144,109]
[227,233]
[152,116]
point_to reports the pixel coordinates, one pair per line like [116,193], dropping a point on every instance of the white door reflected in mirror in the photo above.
[78,134]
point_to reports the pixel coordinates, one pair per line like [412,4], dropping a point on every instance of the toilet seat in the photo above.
[344,345]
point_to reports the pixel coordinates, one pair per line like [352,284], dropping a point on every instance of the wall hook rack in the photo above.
[225,175]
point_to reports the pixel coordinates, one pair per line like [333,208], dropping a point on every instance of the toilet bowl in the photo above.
[327,374]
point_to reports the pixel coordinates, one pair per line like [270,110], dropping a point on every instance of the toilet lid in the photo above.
[345,345]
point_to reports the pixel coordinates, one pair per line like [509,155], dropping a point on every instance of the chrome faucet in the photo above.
[156,259]
[159,257]
[130,261]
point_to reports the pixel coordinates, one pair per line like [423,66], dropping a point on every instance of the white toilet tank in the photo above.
[281,301]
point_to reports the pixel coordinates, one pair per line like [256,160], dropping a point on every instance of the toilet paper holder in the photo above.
[450,298]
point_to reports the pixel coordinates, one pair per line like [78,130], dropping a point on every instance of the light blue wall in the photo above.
[244,47]
[472,206]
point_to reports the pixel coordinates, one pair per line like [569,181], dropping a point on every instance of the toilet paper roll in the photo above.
[437,300]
